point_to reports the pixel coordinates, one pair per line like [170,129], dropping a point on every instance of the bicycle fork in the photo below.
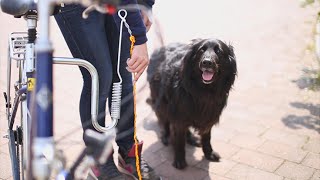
[43,143]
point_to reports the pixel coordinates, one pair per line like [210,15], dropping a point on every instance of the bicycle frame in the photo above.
[27,68]
[43,118]
[25,58]
[43,147]
[43,113]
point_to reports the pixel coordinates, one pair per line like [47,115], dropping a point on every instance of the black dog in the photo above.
[189,86]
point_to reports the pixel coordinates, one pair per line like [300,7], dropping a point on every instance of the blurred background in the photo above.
[271,126]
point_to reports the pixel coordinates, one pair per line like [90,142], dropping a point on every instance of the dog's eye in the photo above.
[201,51]
[217,50]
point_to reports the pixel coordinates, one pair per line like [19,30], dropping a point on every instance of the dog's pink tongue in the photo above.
[207,76]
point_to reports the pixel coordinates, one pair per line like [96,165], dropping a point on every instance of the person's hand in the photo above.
[139,60]
[146,20]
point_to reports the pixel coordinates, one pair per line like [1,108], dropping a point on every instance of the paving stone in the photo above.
[310,132]
[282,151]
[254,129]
[72,137]
[3,131]
[71,153]
[5,166]
[153,159]
[151,149]
[194,155]
[257,160]
[4,148]
[258,115]
[190,173]
[222,134]
[312,145]
[295,171]
[247,141]
[225,150]
[76,136]
[3,141]
[262,109]
[215,177]
[66,129]
[312,160]
[244,172]
[164,178]
[218,168]
[147,122]
[280,136]
[150,142]
[316,175]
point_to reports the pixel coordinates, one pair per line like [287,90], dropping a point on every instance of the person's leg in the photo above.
[86,39]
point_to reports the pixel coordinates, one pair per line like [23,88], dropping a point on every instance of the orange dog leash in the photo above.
[133,40]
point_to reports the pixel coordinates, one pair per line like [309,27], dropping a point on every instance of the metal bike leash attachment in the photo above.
[117,86]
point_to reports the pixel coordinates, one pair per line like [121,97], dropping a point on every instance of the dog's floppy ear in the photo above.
[232,59]
[192,48]
[231,52]
[187,61]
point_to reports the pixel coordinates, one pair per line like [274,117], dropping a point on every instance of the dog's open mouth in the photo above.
[207,76]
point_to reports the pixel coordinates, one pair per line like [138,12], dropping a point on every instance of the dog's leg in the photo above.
[178,135]
[207,148]
[165,134]
[192,139]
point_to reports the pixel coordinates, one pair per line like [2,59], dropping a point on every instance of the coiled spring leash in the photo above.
[117,86]
[132,40]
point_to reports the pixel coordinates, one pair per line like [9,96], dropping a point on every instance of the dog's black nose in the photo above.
[207,63]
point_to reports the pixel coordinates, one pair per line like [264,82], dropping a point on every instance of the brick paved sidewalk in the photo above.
[271,126]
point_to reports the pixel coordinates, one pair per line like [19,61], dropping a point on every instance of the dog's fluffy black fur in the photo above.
[189,86]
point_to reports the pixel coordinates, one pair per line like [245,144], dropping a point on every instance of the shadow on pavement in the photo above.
[160,157]
[311,121]
[314,109]
[309,80]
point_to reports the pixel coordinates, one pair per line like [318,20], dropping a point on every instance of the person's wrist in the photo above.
[140,39]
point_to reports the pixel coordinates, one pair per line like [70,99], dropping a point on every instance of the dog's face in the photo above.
[210,60]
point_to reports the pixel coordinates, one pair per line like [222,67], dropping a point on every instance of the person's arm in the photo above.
[139,59]
[146,19]
[147,3]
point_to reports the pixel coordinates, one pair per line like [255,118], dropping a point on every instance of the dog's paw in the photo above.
[165,140]
[179,164]
[213,156]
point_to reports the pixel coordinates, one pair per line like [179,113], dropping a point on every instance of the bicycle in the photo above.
[43,155]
